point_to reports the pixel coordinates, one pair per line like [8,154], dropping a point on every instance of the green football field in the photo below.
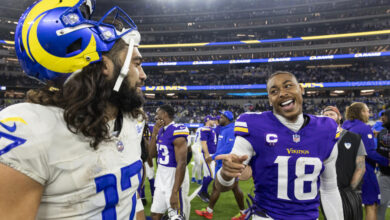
[226,206]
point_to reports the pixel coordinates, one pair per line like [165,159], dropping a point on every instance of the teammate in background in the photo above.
[63,153]
[169,144]
[208,141]
[224,146]
[196,148]
[293,156]
[357,115]
[384,175]
[350,167]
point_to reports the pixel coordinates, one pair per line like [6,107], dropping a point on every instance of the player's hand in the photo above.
[174,201]
[209,159]
[159,124]
[232,165]
[246,174]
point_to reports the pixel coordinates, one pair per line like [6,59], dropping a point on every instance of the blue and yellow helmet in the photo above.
[55,38]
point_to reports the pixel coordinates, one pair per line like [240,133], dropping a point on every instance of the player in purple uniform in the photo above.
[357,115]
[208,140]
[292,155]
[169,144]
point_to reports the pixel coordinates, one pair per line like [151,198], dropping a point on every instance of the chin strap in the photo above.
[125,67]
[132,38]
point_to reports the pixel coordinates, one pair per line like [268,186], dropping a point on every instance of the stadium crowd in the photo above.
[259,74]
[194,111]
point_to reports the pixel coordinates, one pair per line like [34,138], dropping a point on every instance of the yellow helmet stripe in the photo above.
[37,10]
[60,64]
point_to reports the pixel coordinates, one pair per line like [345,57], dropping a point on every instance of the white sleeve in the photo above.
[330,195]
[243,147]
[23,141]
[139,206]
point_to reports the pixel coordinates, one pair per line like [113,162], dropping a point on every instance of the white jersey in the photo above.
[79,182]
[197,136]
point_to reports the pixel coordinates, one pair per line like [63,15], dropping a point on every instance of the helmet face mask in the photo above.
[54,39]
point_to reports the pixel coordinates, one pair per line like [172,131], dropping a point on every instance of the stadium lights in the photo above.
[3,88]
[150,95]
[338,91]
[367,90]
[170,94]
[329,66]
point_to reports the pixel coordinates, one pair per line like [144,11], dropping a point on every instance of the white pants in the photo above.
[208,170]
[149,171]
[197,155]
[165,177]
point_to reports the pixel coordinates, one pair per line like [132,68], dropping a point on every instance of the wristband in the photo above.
[222,181]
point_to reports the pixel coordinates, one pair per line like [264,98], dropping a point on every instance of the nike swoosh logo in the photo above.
[9,128]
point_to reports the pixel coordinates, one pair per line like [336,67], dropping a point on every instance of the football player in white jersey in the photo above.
[73,150]
[198,161]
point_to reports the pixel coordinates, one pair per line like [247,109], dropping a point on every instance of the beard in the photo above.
[127,99]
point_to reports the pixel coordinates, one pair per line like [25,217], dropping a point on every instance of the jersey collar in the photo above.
[165,128]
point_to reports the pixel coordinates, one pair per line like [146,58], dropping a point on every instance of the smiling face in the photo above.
[285,95]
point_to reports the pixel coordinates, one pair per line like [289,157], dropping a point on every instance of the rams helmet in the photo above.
[55,38]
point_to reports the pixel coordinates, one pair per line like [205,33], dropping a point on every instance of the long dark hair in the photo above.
[84,98]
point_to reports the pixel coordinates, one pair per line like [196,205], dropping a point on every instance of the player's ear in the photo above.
[269,101]
[108,66]
[302,89]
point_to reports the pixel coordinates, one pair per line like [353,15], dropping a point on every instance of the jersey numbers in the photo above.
[16,141]
[301,178]
[108,184]
[163,154]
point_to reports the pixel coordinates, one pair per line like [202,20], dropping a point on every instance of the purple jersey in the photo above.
[287,165]
[208,134]
[165,147]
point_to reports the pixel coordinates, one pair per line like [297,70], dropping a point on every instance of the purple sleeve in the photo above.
[369,144]
[241,126]
[180,131]
[204,134]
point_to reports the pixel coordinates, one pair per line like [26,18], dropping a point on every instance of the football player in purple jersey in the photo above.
[292,156]
[169,144]
[208,141]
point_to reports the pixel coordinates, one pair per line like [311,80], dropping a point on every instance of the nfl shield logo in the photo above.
[296,138]
[120,146]
[347,145]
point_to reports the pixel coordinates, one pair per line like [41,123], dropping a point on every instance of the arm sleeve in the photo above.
[330,195]
[243,147]
[369,144]
[21,147]
[181,131]
[362,149]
